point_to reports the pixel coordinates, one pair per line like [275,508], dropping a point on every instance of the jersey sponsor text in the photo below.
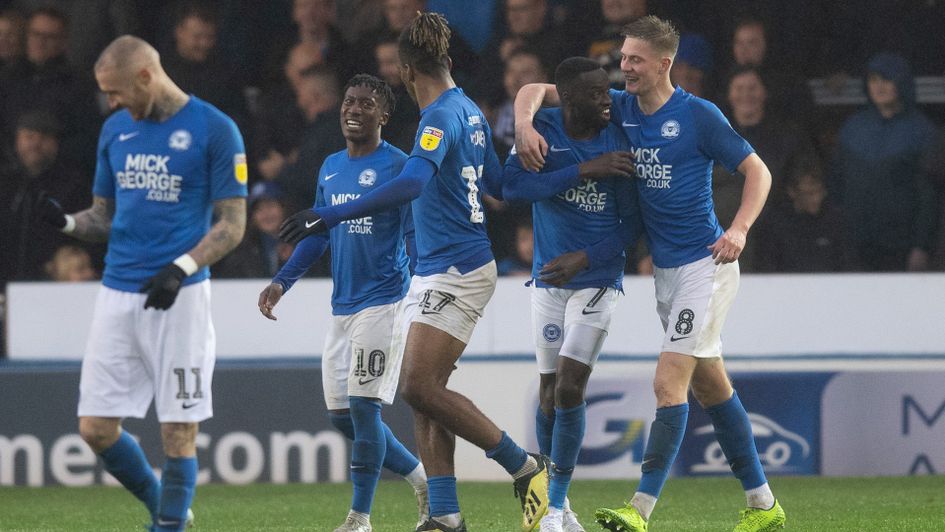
[149,171]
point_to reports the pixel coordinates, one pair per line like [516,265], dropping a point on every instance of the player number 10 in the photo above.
[471,174]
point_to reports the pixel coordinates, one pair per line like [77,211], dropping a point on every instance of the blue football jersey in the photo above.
[448,216]
[674,150]
[586,214]
[164,178]
[369,262]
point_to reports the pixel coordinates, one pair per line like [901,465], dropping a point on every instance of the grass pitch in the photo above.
[704,505]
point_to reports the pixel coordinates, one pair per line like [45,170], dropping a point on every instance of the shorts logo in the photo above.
[669,129]
[589,307]
[551,332]
[430,138]
[433,301]
[367,178]
[370,366]
[180,140]
[239,168]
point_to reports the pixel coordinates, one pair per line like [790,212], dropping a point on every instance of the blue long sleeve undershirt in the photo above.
[303,257]
[519,185]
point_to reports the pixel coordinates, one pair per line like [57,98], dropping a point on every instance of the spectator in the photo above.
[314,23]
[319,99]
[401,128]
[605,47]
[880,172]
[12,37]
[520,263]
[279,124]
[397,15]
[788,95]
[692,64]
[523,66]
[261,253]
[805,235]
[70,264]
[783,144]
[528,25]
[45,81]
[38,168]
[197,67]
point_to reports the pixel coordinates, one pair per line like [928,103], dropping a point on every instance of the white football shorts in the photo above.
[556,310]
[451,301]
[692,302]
[363,354]
[134,355]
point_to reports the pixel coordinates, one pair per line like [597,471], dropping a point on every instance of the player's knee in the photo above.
[568,393]
[180,439]
[415,395]
[98,434]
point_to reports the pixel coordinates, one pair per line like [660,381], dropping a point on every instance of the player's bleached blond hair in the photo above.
[425,43]
[128,53]
[659,33]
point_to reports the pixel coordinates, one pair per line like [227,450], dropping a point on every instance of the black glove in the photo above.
[50,211]
[163,287]
[301,225]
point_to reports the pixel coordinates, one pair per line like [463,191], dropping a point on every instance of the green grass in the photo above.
[704,505]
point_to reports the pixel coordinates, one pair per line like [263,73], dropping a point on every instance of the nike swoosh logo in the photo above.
[628,124]
[191,405]
[125,136]
[675,338]
[362,382]
[586,312]
[559,149]
[309,225]
[329,176]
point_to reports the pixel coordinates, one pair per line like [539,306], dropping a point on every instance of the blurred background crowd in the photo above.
[845,102]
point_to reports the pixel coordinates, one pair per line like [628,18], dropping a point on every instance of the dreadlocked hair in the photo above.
[425,42]
[381,89]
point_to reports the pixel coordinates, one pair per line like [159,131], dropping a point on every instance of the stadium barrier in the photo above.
[845,378]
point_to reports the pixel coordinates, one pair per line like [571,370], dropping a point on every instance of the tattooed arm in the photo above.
[95,223]
[226,233]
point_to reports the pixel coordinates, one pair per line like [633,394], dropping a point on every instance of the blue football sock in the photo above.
[177,490]
[544,426]
[126,462]
[566,444]
[367,454]
[508,454]
[666,435]
[443,499]
[397,458]
[733,430]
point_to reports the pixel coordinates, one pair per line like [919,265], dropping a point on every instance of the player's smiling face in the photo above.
[591,101]
[125,92]
[641,65]
[362,114]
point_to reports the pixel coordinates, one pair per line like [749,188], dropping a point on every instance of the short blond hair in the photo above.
[659,33]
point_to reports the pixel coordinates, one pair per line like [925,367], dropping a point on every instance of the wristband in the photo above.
[70,224]
[187,263]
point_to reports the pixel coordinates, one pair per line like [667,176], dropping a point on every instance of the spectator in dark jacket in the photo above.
[805,235]
[880,173]
[26,244]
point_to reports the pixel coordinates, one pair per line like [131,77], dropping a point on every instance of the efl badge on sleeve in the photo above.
[430,138]
[239,168]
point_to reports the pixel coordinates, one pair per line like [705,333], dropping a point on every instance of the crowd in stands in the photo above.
[854,189]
